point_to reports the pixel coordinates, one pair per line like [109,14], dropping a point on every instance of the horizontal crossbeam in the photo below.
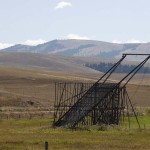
[137,54]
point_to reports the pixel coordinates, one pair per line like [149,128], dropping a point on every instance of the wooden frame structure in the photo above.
[102,102]
[107,112]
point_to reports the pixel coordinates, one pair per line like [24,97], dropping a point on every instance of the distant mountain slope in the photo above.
[82,48]
[18,48]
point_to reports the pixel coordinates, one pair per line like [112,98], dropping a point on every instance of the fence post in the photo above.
[46,145]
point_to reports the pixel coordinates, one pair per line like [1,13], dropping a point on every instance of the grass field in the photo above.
[32,134]
[19,88]
[28,92]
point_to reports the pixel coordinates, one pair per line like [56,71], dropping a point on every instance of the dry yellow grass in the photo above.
[28,90]
[22,90]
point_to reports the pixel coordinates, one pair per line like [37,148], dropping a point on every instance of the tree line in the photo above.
[122,68]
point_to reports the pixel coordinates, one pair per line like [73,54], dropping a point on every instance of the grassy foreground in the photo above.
[31,135]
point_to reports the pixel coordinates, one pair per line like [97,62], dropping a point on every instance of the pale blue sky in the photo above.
[31,21]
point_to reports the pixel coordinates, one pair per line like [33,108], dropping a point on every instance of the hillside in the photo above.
[27,82]
[29,92]
[58,63]
[82,48]
[43,62]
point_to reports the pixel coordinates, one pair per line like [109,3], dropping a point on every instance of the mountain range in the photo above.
[82,48]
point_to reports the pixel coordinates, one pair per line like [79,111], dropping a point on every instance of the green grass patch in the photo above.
[144,122]
[31,135]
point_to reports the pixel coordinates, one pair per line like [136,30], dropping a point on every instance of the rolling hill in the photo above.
[27,82]
[38,61]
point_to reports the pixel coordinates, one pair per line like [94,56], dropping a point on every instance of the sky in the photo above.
[34,22]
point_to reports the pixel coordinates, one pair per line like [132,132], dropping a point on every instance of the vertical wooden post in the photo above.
[46,145]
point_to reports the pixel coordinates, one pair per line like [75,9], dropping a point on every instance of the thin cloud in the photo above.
[75,36]
[117,41]
[27,42]
[132,40]
[62,5]
[135,41]
[34,42]
[5,45]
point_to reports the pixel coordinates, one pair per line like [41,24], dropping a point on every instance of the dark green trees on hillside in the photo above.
[103,67]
